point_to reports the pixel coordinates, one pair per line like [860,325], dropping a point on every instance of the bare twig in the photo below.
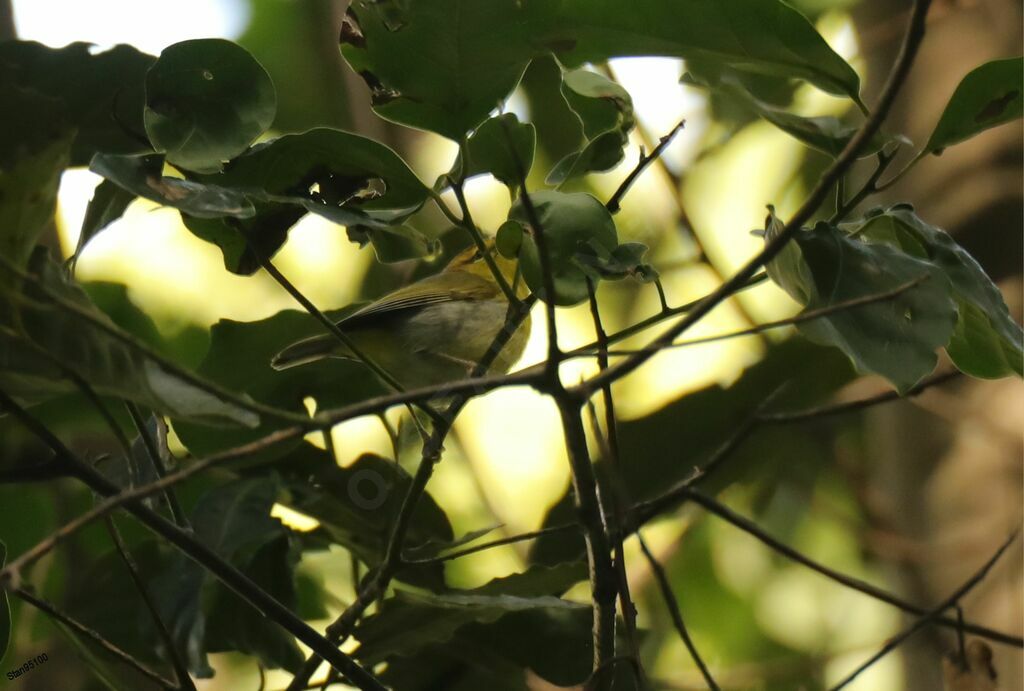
[94,636]
[853,406]
[677,618]
[613,204]
[930,615]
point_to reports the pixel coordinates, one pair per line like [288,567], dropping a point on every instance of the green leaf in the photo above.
[896,337]
[439,65]
[143,176]
[348,179]
[826,134]
[234,521]
[570,222]
[605,111]
[238,360]
[765,37]
[100,93]
[626,260]
[35,143]
[84,340]
[357,505]
[988,96]
[206,101]
[502,147]
[5,611]
[109,202]
[443,65]
[987,342]
[411,621]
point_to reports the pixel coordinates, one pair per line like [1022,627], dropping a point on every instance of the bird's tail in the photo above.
[306,350]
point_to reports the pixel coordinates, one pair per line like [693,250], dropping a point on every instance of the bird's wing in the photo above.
[441,287]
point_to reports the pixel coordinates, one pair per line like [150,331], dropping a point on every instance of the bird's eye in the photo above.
[477,256]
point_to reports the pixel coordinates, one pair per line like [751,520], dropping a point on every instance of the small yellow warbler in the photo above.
[432,331]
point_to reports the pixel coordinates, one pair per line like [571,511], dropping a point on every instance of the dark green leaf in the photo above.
[35,141]
[239,360]
[5,610]
[440,65]
[357,505]
[990,95]
[100,93]
[348,179]
[206,101]
[509,239]
[502,147]
[896,337]
[987,341]
[234,521]
[108,204]
[625,260]
[826,134]
[83,340]
[570,222]
[425,70]
[755,36]
[143,176]
[410,621]
[605,111]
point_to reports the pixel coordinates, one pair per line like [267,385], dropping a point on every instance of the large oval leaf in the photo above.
[206,101]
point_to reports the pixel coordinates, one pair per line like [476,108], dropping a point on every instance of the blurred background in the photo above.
[912,496]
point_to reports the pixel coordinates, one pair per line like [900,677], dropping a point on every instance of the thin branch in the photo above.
[613,204]
[748,526]
[313,311]
[94,636]
[931,615]
[478,240]
[869,187]
[180,668]
[226,573]
[914,35]
[853,406]
[804,316]
[677,618]
[609,443]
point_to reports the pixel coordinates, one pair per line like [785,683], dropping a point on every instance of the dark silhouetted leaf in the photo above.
[206,101]
[109,202]
[101,92]
[234,521]
[32,321]
[357,505]
[989,96]
[5,611]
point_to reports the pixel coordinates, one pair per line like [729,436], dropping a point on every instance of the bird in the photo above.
[430,332]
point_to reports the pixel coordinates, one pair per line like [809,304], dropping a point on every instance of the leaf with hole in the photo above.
[987,97]
[206,101]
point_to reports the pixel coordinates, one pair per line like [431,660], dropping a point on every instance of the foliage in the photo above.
[882,292]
